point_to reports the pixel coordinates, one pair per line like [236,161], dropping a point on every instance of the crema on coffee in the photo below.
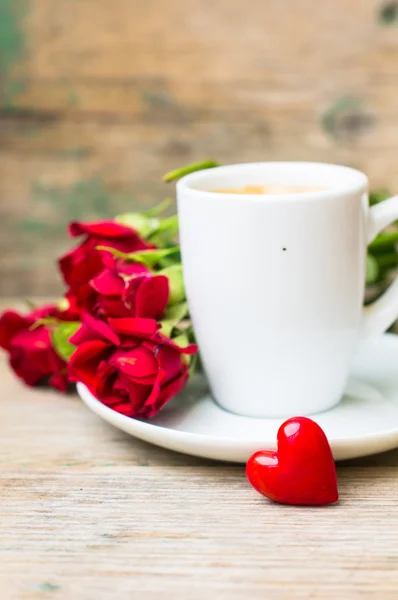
[269,189]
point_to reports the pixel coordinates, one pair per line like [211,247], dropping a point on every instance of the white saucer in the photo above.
[365,422]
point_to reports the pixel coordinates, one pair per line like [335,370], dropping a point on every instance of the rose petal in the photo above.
[112,306]
[161,339]
[107,229]
[30,355]
[142,328]
[58,367]
[137,394]
[82,335]
[120,405]
[71,312]
[108,283]
[59,382]
[20,364]
[105,378]
[41,312]
[170,362]
[151,297]
[81,264]
[130,268]
[130,293]
[84,361]
[139,364]
[169,391]
[86,265]
[149,408]
[65,265]
[127,245]
[33,341]
[99,329]
[190,349]
[10,324]
[119,265]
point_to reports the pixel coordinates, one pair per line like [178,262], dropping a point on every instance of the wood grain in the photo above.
[88,512]
[99,98]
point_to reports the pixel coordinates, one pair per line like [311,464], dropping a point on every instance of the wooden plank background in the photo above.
[99,97]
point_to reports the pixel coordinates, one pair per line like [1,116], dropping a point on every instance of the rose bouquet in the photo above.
[122,327]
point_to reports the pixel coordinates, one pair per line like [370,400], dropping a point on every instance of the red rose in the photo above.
[31,354]
[128,364]
[81,264]
[123,289]
[68,309]
[65,310]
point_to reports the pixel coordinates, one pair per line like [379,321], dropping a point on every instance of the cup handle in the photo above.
[381,314]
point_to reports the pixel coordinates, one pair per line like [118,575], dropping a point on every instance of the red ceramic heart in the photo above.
[302,471]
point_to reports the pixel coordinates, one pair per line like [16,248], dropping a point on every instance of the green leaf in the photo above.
[141,223]
[176,283]
[60,336]
[377,196]
[172,317]
[159,208]
[193,363]
[372,269]
[46,321]
[165,232]
[169,261]
[149,258]
[181,340]
[388,260]
[386,238]
[199,166]
[170,223]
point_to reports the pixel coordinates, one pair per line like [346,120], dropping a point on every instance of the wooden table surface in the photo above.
[88,512]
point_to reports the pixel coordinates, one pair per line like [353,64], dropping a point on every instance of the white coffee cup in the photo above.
[275,283]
